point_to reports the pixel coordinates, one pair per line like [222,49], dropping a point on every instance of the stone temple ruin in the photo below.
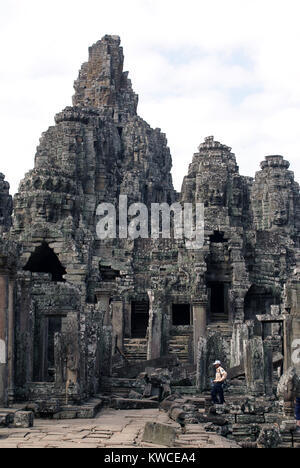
[83,321]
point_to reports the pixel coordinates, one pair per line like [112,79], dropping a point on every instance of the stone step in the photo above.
[224,327]
[129,404]
[135,349]
[87,410]
[179,346]
[185,390]
[179,339]
[135,340]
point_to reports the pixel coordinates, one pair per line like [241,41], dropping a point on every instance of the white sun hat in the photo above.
[217,362]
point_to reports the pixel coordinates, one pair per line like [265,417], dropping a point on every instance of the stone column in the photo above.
[59,360]
[155,324]
[103,298]
[201,364]
[287,342]
[254,365]
[106,350]
[199,324]
[268,366]
[239,310]
[240,334]
[127,320]
[11,339]
[3,336]
[71,344]
[118,324]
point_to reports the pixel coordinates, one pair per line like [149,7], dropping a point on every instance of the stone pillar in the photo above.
[59,359]
[254,365]
[155,324]
[118,324]
[201,364]
[239,313]
[268,366]
[103,298]
[3,336]
[71,344]
[11,340]
[127,320]
[240,334]
[199,324]
[106,350]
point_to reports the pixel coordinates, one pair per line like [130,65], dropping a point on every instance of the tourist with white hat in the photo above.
[217,392]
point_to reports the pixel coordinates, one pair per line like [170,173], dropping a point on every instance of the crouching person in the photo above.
[217,393]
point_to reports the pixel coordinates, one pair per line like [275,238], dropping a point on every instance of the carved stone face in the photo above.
[216,197]
[279,213]
[280,217]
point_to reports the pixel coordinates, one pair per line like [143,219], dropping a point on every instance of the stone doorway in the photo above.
[218,302]
[181,315]
[44,359]
[139,319]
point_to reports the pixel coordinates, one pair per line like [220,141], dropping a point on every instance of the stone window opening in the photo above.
[45,260]
[107,273]
[181,315]
[217,238]
[139,319]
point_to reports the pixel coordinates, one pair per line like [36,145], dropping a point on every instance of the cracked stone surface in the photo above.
[110,429]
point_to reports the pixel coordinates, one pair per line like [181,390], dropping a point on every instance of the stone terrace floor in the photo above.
[110,429]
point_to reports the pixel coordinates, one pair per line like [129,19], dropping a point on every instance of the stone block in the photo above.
[269,437]
[245,432]
[288,426]
[271,418]
[23,419]
[135,395]
[65,415]
[4,419]
[157,433]
[127,404]
[250,419]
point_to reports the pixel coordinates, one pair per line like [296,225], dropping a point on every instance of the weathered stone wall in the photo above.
[75,293]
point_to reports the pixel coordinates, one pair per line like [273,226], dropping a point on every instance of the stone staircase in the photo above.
[224,328]
[119,387]
[179,346]
[135,349]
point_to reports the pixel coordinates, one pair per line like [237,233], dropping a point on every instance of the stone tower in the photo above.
[75,305]
[5,204]
[275,197]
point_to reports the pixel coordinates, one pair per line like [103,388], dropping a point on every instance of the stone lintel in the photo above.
[271,318]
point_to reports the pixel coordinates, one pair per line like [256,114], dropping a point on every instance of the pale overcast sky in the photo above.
[225,68]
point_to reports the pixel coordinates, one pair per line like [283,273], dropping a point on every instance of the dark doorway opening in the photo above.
[217,238]
[139,319]
[258,301]
[44,347]
[44,260]
[108,273]
[218,303]
[181,314]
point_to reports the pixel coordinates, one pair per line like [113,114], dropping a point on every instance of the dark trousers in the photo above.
[217,394]
[297,409]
